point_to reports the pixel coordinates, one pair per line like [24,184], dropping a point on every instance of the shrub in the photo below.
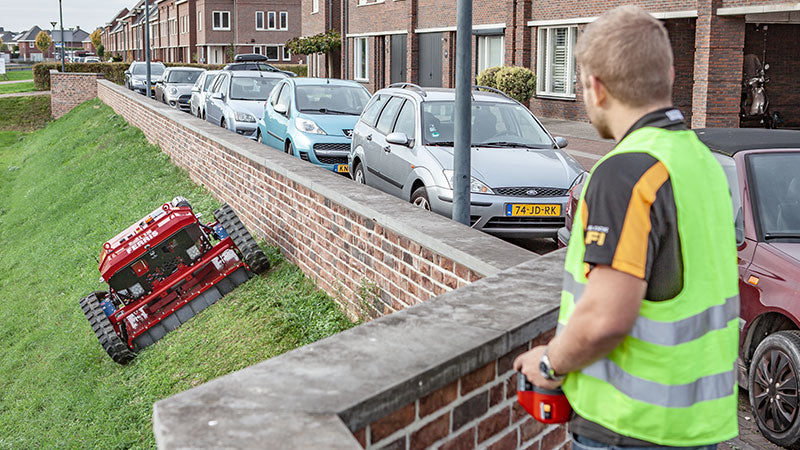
[518,83]
[487,77]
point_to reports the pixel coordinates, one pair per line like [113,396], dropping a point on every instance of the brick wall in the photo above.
[69,90]
[369,262]
[682,37]
[781,45]
[478,409]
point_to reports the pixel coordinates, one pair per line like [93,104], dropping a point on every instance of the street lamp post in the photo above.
[462,147]
[61,17]
[52,33]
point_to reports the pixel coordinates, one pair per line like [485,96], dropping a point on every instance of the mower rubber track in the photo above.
[242,239]
[109,339]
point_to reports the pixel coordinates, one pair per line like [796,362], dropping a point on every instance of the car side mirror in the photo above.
[397,138]
[127,72]
[280,108]
[218,96]
[195,89]
[561,142]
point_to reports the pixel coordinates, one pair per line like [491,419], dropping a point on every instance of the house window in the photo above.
[199,20]
[221,20]
[491,52]
[284,25]
[287,55]
[259,20]
[173,27]
[272,52]
[257,49]
[360,60]
[314,6]
[271,20]
[555,61]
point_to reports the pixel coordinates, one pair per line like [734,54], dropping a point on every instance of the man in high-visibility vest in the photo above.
[647,335]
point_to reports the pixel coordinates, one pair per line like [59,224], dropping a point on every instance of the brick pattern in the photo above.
[69,90]
[479,409]
[369,269]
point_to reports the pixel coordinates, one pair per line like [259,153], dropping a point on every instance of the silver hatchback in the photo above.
[403,145]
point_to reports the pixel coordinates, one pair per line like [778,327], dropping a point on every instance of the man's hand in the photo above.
[528,364]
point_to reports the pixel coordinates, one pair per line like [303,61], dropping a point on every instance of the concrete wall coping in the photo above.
[317,395]
[93,74]
[480,252]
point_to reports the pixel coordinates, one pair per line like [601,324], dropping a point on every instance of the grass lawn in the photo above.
[14,88]
[18,75]
[24,113]
[62,194]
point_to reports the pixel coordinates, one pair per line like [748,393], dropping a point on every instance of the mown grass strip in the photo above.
[24,113]
[14,75]
[15,88]
[64,190]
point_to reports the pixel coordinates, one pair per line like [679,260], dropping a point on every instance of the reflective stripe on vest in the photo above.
[672,380]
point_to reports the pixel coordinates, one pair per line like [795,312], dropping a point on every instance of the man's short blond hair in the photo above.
[629,51]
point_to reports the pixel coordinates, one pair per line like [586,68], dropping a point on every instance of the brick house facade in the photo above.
[709,40]
[319,16]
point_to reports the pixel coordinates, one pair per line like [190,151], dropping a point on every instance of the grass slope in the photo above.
[14,88]
[25,113]
[62,194]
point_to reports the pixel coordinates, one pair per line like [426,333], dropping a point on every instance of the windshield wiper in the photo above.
[442,143]
[504,144]
[782,235]
[329,111]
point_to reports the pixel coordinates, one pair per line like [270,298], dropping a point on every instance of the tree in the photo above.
[97,38]
[326,43]
[101,51]
[3,46]
[43,41]
[230,52]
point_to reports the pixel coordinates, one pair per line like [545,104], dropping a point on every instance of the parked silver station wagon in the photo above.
[403,145]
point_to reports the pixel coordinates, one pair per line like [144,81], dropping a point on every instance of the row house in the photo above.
[27,46]
[386,41]
[207,31]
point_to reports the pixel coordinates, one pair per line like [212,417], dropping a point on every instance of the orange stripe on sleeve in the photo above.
[584,214]
[631,253]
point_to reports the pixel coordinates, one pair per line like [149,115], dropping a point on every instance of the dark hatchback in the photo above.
[763,171]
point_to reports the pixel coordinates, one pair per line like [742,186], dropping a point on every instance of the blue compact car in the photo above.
[313,119]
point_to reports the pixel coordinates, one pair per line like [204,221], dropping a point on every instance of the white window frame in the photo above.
[283,20]
[543,57]
[314,6]
[278,54]
[257,49]
[272,21]
[360,45]
[261,13]
[221,14]
[369,2]
[199,20]
[173,26]
[286,54]
[484,49]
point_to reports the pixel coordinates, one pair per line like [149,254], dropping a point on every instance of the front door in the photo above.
[430,59]
[398,59]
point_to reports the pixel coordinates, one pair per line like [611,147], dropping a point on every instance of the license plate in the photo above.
[524,209]
[343,168]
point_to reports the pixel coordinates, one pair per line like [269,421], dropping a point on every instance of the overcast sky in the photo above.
[20,15]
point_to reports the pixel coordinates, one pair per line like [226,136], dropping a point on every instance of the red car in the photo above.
[763,170]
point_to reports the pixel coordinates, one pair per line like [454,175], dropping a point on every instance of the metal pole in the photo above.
[147,42]
[463,113]
[61,17]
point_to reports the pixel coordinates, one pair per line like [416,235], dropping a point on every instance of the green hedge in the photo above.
[115,72]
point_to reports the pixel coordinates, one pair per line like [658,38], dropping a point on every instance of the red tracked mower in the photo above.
[163,270]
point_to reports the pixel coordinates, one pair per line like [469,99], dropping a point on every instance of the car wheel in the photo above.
[773,387]
[420,198]
[204,115]
[223,124]
[289,148]
[259,138]
[358,174]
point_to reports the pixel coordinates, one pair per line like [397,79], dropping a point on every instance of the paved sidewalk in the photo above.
[15,81]
[25,94]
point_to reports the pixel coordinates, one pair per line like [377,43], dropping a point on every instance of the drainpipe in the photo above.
[345,30]
[235,28]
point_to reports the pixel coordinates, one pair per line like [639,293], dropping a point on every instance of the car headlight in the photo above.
[475,185]
[308,126]
[172,91]
[244,117]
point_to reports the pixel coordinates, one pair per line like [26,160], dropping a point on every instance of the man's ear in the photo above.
[599,91]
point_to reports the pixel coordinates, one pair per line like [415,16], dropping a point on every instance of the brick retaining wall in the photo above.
[68,90]
[373,253]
